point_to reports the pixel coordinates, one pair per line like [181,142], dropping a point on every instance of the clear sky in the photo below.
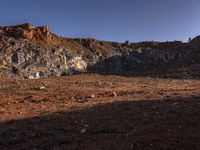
[115,20]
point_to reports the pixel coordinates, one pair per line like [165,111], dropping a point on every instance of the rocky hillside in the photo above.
[33,52]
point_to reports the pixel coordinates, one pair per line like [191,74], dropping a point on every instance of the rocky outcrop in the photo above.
[33,52]
[27,32]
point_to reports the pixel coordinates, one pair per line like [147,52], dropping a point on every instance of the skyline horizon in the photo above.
[177,40]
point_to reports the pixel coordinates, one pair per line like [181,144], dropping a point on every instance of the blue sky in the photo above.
[114,20]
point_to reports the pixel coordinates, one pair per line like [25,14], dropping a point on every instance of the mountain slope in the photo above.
[33,52]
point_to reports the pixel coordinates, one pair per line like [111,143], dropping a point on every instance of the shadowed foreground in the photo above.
[152,124]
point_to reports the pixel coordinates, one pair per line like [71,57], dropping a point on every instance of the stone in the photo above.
[42,88]
[86,125]
[33,75]
[92,96]
[83,131]
[114,94]
[80,98]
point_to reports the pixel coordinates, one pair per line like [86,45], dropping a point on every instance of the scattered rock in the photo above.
[92,96]
[81,98]
[114,94]
[83,131]
[42,88]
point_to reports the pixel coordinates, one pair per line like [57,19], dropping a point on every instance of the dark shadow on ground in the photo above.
[151,124]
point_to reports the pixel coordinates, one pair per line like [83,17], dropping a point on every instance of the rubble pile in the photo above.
[33,52]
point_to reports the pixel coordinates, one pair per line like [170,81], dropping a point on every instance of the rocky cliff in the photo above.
[33,52]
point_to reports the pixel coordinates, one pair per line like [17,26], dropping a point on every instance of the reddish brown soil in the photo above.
[96,112]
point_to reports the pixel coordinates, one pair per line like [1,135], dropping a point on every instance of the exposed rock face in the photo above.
[33,52]
[28,32]
[77,64]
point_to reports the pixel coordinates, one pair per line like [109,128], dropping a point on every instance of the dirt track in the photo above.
[100,112]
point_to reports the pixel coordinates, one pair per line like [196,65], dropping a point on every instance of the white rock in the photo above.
[83,130]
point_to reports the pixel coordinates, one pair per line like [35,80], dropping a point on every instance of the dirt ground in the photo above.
[100,112]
